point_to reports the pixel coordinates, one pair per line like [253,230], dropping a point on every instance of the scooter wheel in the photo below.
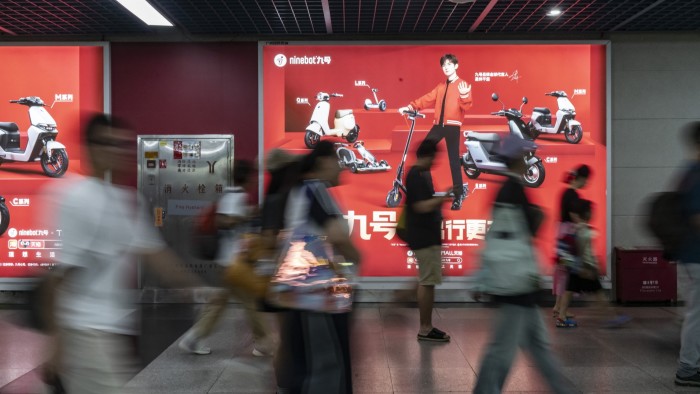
[574,135]
[534,176]
[56,165]
[383,163]
[471,173]
[382,105]
[393,198]
[353,134]
[311,139]
[353,168]
[4,218]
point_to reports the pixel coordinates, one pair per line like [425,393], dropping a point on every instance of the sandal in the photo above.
[568,323]
[555,314]
[434,335]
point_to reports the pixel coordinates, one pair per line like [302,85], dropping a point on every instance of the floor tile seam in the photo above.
[384,343]
[21,376]
[221,372]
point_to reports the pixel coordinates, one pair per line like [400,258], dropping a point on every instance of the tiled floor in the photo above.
[639,358]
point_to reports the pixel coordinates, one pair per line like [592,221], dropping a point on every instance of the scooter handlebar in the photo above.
[336,95]
[414,114]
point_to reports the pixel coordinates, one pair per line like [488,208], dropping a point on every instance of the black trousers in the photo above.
[451,135]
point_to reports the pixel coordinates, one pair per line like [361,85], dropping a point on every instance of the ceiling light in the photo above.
[461,1]
[144,11]
[554,12]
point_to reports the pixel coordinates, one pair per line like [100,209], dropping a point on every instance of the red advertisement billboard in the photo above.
[45,92]
[373,81]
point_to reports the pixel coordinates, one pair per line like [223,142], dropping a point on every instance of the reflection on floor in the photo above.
[639,358]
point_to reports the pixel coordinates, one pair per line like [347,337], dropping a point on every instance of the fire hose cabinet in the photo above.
[642,274]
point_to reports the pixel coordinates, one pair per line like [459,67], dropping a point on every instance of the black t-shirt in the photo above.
[423,228]
[568,200]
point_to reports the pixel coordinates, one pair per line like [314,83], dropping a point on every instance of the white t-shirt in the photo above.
[103,229]
[234,202]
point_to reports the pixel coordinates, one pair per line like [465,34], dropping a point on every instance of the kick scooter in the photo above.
[394,197]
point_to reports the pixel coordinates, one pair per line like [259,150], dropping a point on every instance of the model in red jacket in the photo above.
[451,99]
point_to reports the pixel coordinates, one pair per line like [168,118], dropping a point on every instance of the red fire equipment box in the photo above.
[643,275]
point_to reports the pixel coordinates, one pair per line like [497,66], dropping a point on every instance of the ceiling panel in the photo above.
[247,19]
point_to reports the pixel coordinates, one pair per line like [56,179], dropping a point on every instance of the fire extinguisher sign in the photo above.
[177,150]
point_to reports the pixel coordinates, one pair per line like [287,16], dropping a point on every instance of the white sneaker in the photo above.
[262,349]
[190,343]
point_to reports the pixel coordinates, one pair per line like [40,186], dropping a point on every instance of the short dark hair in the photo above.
[582,171]
[448,56]
[100,121]
[310,161]
[692,133]
[242,171]
[427,148]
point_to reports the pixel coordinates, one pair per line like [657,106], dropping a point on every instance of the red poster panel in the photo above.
[46,93]
[373,81]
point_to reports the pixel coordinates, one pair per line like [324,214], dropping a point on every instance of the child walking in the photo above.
[583,272]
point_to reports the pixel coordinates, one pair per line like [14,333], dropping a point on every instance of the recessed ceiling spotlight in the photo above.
[554,12]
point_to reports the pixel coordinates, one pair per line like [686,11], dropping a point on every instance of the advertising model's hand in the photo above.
[464,88]
[402,110]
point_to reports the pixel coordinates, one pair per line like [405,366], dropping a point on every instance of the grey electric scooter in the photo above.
[481,153]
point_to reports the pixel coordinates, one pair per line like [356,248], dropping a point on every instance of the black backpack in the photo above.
[667,222]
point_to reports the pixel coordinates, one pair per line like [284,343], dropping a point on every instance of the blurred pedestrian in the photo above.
[105,227]
[576,180]
[233,220]
[510,274]
[688,372]
[423,225]
[323,339]
[583,270]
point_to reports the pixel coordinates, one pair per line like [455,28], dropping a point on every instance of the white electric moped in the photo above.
[41,140]
[541,119]
[343,123]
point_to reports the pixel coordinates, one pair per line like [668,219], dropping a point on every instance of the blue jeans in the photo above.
[689,359]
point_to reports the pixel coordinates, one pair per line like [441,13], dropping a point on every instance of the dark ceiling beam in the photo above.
[481,17]
[327,16]
[635,16]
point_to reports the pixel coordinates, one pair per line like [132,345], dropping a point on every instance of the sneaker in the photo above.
[566,323]
[457,203]
[458,200]
[191,344]
[693,380]
[261,352]
[617,322]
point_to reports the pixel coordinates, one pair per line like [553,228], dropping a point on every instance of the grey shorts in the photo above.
[429,265]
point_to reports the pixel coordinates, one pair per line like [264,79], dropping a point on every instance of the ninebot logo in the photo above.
[280,60]
[12,232]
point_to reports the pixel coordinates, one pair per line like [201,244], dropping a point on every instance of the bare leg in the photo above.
[426,298]
[564,304]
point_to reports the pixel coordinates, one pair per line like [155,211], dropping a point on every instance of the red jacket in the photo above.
[455,106]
